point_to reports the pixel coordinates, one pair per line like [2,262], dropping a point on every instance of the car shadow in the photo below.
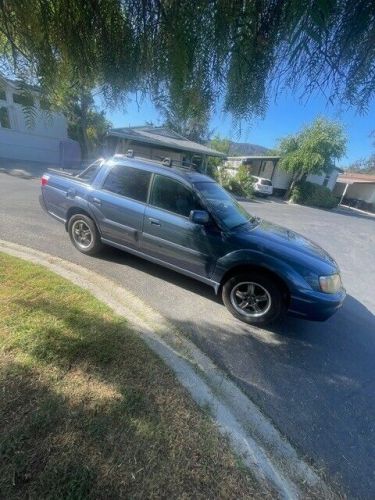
[315,380]
[263,200]
[112,254]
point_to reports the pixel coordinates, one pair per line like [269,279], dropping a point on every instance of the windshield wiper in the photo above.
[253,220]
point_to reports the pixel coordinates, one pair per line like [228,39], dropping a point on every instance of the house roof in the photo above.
[254,157]
[162,136]
[18,84]
[354,177]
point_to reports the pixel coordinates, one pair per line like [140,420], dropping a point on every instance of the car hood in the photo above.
[281,240]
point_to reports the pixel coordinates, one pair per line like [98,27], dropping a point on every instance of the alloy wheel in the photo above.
[250,299]
[82,234]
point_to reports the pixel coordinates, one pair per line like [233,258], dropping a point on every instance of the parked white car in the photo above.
[262,186]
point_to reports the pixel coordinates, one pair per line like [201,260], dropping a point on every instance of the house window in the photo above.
[3,96]
[23,99]
[326,179]
[4,118]
[45,104]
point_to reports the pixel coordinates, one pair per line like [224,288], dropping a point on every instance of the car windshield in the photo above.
[225,207]
[266,182]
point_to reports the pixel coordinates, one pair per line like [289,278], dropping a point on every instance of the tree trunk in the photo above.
[295,179]
[290,188]
[85,102]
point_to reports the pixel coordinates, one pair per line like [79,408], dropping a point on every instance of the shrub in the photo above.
[240,184]
[232,185]
[313,195]
[245,180]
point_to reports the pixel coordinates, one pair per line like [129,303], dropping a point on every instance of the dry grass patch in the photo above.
[88,411]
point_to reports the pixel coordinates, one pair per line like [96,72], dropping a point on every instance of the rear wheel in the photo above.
[84,234]
[254,298]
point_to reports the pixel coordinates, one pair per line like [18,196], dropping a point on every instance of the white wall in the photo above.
[47,125]
[38,140]
[315,179]
[231,166]
[332,179]
[17,145]
[281,179]
[364,192]
[319,179]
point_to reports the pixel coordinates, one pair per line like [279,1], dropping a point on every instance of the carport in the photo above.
[356,190]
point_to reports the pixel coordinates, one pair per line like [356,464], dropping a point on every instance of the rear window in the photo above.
[266,182]
[89,174]
[127,181]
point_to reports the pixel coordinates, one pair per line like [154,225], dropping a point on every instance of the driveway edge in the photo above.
[253,437]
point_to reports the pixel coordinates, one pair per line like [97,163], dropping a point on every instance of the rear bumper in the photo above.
[265,193]
[42,204]
[316,306]
[44,207]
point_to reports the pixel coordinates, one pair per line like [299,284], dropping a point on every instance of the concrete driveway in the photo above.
[316,381]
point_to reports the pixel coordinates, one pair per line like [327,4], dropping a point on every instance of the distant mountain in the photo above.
[247,149]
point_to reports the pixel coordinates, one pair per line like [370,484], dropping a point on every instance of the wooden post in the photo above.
[274,163]
[344,193]
[260,167]
[204,163]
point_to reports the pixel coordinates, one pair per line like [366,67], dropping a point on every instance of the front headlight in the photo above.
[330,284]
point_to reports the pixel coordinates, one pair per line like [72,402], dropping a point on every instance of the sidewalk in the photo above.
[30,169]
[253,437]
[24,169]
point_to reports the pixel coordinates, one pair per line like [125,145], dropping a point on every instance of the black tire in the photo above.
[92,245]
[271,308]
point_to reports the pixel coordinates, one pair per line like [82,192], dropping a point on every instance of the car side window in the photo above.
[127,181]
[173,196]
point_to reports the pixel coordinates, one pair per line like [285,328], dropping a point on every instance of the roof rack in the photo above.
[164,161]
[168,162]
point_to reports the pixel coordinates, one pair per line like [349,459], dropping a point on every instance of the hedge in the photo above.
[313,195]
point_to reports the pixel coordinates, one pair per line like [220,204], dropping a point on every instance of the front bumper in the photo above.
[315,306]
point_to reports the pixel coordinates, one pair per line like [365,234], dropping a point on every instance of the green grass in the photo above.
[88,411]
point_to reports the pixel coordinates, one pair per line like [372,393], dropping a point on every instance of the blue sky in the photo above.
[284,117]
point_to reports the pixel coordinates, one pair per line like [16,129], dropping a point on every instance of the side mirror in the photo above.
[199,217]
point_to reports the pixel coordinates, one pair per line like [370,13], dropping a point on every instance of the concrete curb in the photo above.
[251,434]
[354,209]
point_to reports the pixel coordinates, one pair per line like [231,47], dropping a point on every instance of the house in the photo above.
[159,143]
[29,131]
[355,189]
[268,166]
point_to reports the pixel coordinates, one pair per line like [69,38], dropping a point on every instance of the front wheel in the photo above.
[254,298]
[84,234]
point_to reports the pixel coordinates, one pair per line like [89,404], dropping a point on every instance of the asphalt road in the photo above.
[316,381]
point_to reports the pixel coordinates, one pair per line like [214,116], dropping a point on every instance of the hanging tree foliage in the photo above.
[188,53]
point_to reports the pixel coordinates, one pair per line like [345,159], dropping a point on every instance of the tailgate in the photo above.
[58,191]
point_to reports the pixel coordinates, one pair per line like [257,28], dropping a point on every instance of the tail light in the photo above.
[44,180]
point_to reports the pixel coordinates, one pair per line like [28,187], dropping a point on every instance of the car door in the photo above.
[168,234]
[120,203]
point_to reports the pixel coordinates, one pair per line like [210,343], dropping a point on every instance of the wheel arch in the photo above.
[245,268]
[78,210]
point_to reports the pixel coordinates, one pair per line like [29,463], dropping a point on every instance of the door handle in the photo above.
[153,221]
[97,201]
[70,193]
